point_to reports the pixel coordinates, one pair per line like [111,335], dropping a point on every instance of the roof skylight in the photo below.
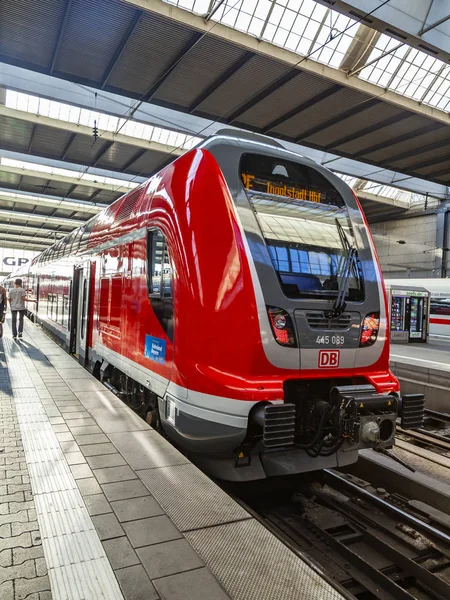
[83,116]
[409,72]
[382,190]
[66,203]
[302,26]
[305,27]
[80,175]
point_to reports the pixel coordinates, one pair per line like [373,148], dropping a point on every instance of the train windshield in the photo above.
[305,225]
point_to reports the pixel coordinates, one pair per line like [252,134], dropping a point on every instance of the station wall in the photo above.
[409,247]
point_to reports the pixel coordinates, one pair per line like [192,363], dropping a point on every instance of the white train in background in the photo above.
[439,303]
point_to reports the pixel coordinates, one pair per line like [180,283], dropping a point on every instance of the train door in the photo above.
[37,294]
[80,313]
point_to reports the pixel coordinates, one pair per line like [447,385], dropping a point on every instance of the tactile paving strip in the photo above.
[77,565]
[271,570]
[190,498]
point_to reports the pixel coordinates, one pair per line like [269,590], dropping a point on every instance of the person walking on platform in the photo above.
[3,306]
[17,297]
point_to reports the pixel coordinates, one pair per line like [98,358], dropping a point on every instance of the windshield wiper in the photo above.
[340,304]
[349,266]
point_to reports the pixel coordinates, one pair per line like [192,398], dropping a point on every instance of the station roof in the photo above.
[216,62]
[247,67]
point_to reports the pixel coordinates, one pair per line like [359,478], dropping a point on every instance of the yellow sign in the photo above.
[288,191]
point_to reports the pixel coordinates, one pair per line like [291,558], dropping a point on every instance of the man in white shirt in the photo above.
[17,297]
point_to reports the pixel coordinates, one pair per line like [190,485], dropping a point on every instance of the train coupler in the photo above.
[412,409]
[368,417]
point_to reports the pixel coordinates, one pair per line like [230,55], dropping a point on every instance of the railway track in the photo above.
[431,442]
[369,543]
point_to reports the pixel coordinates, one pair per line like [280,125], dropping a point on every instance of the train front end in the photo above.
[322,314]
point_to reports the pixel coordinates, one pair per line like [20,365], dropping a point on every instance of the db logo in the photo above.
[329,359]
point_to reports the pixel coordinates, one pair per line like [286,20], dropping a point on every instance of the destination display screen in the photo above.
[258,184]
[287,179]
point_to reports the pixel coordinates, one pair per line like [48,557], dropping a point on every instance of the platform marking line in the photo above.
[433,362]
[78,567]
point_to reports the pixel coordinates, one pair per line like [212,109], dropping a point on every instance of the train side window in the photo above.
[83,310]
[159,272]
[116,301]
[166,275]
[104,300]
[159,280]
[440,306]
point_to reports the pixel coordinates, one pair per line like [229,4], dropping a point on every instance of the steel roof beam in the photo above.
[61,31]
[67,148]
[139,154]
[291,59]
[436,160]
[262,95]
[243,60]
[384,200]
[93,195]
[30,229]
[213,9]
[121,47]
[30,144]
[420,23]
[21,216]
[307,104]
[147,97]
[101,153]
[441,171]
[27,238]
[356,57]
[365,105]
[401,138]
[39,84]
[371,129]
[34,246]
[110,187]
[107,136]
[434,25]
[55,203]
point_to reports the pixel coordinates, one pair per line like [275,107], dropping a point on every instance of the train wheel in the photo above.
[152,418]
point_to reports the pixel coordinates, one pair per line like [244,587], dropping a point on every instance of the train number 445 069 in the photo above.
[335,340]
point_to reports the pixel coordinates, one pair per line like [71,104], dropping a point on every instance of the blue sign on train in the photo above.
[155,349]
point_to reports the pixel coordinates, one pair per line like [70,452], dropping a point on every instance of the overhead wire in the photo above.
[138,104]
[288,69]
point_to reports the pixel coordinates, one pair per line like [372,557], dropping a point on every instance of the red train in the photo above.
[236,301]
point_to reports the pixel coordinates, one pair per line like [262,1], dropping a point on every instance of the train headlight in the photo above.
[279,321]
[370,327]
[282,327]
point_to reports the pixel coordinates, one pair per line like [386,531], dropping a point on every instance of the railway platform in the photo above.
[94,504]
[424,369]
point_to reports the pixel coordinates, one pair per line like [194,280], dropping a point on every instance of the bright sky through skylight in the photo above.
[83,116]
[303,26]
[20,164]
[67,203]
[379,189]
[409,72]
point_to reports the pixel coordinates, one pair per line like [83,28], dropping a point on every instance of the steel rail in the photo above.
[413,521]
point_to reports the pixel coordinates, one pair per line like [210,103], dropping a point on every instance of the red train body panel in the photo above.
[210,307]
